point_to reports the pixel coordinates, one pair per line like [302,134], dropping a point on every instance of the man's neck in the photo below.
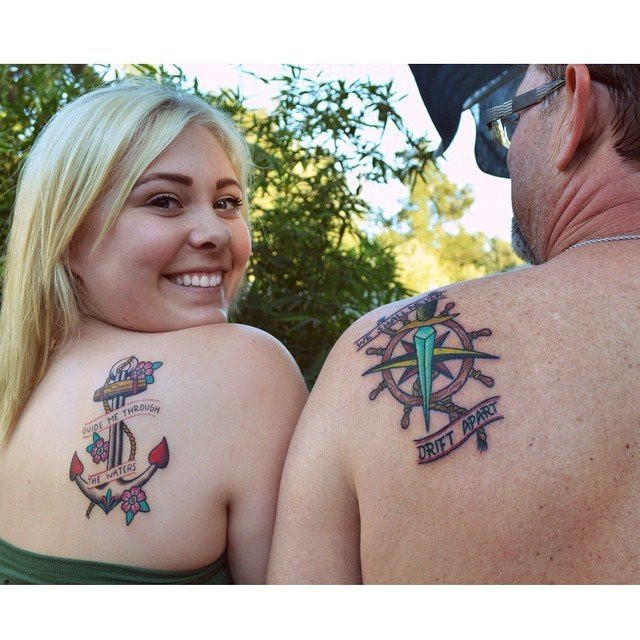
[596,204]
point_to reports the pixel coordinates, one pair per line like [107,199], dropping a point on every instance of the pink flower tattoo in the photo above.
[99,449]
[131,499]
[143,370]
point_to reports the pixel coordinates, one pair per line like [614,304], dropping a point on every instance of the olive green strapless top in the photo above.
[18,566]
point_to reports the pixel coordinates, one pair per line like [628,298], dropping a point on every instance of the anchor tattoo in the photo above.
[120,482]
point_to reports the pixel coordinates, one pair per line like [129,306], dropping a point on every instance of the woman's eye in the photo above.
[230,203]
[164,201]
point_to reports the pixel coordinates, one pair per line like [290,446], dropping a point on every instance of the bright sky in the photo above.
[491,211]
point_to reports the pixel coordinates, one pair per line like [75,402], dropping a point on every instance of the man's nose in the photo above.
[209,230]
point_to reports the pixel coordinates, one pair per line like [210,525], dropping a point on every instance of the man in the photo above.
[489,432]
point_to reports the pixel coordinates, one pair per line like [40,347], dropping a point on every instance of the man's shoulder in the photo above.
[462,301]
[461,344]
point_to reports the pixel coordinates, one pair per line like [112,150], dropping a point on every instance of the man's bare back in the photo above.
[547,494]
[488,432]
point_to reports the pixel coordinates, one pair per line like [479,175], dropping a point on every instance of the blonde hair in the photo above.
[96,146]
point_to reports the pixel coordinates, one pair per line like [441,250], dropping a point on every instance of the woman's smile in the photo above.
[181,224]
[208,280]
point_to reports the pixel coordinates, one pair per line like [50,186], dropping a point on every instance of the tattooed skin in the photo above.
[425,358]
[112,480]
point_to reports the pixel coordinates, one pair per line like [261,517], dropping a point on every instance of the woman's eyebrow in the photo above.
[225,182]
[183,179]
[172,177]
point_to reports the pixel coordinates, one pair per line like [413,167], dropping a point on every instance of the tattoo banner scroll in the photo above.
[129,410]
[384,324]
[445,440]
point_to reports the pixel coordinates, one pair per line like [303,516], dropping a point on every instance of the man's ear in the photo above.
[575,126]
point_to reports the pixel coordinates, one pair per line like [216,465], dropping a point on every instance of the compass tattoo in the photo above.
[426,358]
[113,480]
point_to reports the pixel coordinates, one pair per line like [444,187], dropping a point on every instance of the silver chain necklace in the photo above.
[632,236]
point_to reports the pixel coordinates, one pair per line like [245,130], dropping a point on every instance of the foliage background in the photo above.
[318,262]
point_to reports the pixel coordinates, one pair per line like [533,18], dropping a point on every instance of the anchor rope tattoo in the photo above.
[132,440]
[120,482]
[428,355]
[125,428]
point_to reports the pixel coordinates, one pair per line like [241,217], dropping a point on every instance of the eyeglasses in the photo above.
[502,120]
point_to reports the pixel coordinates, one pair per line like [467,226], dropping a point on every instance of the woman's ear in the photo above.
[576,125]
[72,262]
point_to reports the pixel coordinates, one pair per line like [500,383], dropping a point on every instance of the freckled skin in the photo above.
[555,482]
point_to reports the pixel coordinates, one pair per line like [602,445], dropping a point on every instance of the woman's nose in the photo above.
[209,231]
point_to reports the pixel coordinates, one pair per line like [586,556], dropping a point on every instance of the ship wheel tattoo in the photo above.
[427,359]
[114,480]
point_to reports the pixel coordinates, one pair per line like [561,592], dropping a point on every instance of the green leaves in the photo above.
[30,95]
[431,246]
[107,502]
[314,268]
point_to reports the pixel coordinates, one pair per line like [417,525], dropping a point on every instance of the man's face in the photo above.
[530,171]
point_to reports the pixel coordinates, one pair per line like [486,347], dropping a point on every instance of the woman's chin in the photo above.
[170,322]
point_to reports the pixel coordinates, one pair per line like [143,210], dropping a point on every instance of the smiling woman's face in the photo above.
[177,252]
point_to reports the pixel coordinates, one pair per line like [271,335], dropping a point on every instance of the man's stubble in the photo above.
[520,245]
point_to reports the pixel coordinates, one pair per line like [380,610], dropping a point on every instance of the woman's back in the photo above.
[166,466]
[154,433]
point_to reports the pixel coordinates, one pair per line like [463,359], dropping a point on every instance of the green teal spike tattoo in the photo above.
[424,340]
[426,358]
[112,480]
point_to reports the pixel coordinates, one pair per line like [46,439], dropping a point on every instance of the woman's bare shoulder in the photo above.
[251,371]
[249,349]
[229,331]
[219,368]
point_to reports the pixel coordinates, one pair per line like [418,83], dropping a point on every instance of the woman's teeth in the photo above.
[195,280]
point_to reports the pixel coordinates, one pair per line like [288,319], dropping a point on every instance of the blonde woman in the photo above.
[143,434]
